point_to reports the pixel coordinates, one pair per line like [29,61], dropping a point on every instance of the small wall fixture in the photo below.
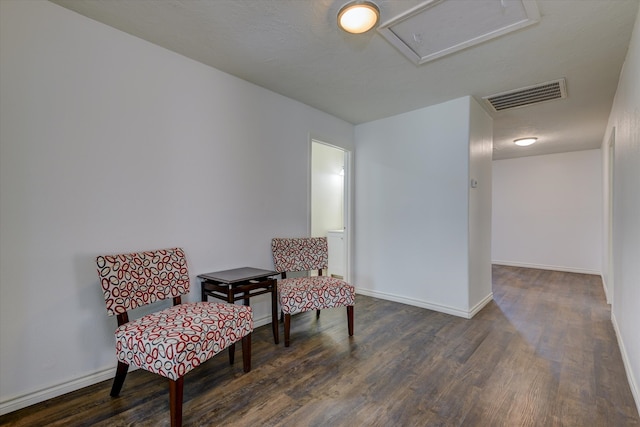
[523,142]
[358,17]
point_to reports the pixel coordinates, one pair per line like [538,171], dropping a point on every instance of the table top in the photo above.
[236,275]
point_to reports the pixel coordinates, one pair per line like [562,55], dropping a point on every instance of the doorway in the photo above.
[329,210]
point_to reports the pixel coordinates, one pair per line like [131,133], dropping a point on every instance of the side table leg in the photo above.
[232,347]
[246,298]
[274,310]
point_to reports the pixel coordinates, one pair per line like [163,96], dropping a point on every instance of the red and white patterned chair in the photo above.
[299,294]
[173,341]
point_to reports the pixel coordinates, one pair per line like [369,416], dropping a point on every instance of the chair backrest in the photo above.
[300,253]
[136,279]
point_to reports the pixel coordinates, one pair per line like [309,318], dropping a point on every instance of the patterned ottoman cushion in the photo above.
[314,293]
[175,340]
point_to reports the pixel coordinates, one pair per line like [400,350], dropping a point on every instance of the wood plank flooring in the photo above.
[543,353]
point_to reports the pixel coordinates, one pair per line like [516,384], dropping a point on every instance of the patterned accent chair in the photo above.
[173,341]
[299,294]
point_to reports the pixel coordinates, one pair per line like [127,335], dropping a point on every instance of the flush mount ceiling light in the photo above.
[358,17]
[523,142]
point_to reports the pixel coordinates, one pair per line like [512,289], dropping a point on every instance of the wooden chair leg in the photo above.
[281,316]
[287,328]
[246,352]
[317,314]
[350,319]
[175,401]
[232,353]
[121,373]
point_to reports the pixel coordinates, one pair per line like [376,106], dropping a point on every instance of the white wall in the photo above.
[547,212]
[412,207]
[109,144]
[625,301]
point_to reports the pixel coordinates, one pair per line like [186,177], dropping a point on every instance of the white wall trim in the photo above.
[426,304]
[261,321]
[479,306]
[547,267]
[38,396]
[606,291]
[635,390]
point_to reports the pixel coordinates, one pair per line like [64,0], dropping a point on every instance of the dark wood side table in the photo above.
[242,284]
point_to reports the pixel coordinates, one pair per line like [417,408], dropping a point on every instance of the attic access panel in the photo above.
[438,28]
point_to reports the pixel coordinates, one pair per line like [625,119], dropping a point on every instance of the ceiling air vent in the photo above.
[526,96]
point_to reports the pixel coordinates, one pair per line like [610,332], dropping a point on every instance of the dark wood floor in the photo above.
[543,353]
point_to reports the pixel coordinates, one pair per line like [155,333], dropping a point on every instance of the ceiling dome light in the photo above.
[523,142]
[358,17]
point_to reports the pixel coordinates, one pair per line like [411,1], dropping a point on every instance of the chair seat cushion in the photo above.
[173,341]
[298,294]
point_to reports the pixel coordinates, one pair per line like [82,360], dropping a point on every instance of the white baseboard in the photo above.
[19,402]
[479,306]
[546,267]
[606,291]
[633,384]
[264,320]
[28,399]
[426,304]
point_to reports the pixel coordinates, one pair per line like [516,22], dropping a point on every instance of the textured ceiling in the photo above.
[293,47]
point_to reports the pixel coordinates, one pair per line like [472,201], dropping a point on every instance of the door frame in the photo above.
[347,198]
[611,160]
